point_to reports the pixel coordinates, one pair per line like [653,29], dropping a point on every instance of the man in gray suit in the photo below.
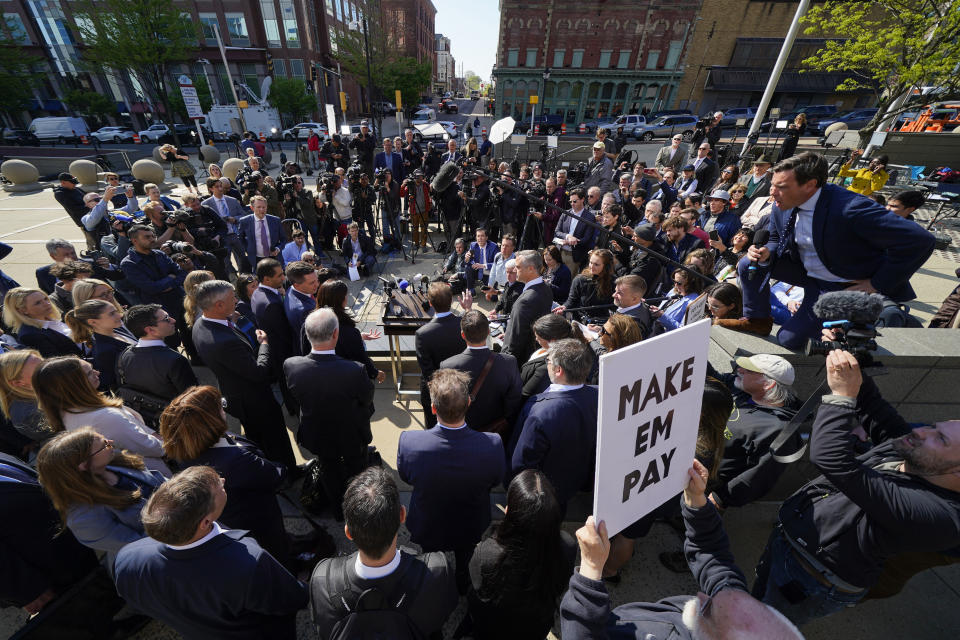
[495,400]
[536,300]
[436,341]
[672,157]
[231,211]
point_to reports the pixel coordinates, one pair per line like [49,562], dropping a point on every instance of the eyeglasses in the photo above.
[726,171]
[107,444]
[96,199]
[602,331]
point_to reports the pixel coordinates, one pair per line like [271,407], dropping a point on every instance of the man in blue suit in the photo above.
[574,236]
[825,238]
[483,252]
[230,211]
[452,469]
[300,299]
[197,577]
[557,429]
[261,235]
[389,159]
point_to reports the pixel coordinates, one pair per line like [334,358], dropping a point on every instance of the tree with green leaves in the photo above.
[290,96]
[472,80]
[90,104]
[891,47]
[203,93]
[143,38]
[17,71]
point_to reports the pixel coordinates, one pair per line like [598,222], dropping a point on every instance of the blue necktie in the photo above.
[787,240]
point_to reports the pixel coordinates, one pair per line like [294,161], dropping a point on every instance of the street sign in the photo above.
[534,99]
[190,98]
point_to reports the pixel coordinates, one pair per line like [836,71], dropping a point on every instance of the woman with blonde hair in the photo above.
[97,489]
[190,285]
[180,166]
[66,391]
[94,289]
[194,432]
[17,399]
[471,152]
[619,331]
[98,323]
[36,322]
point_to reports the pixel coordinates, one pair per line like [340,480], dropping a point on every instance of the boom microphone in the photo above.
[760,239]
[445,177]
[854,306]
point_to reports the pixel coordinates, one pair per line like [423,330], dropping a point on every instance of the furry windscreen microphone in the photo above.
[760,239]
[445,177]
[855,306]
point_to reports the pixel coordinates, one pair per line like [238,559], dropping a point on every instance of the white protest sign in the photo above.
[650,397]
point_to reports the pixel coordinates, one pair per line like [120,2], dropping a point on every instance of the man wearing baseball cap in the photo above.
[763,405]
[364,144]
[599,169]
[70,197]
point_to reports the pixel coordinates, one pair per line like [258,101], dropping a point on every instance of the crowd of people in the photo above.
[115,456]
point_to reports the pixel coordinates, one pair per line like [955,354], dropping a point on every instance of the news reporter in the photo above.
[333,294]
[686,287]
[594,286]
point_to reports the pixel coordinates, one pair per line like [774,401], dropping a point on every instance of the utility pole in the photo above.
[226,67]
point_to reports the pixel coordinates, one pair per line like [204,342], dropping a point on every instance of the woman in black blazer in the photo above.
[333,294]
[246,284]
[557,275]
[194,432]
[99,324]
[31,315]
[593,287]
[533,372]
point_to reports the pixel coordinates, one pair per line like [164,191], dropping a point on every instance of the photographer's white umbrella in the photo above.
[502,130]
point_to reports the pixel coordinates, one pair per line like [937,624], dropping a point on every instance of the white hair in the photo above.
[776,394]
[654,204]
[510,264]
[320,325]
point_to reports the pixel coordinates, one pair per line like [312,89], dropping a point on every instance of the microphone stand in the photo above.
[589,221]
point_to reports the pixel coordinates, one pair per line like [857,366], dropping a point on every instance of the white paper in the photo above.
[650,397]
[354,273]
[552,142]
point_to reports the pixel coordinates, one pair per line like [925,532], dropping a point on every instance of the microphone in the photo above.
[853,306]
[760,239]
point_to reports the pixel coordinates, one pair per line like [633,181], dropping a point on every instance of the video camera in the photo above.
[124,221]
[175,246]
[354,175]
[703,122]
[853,317]
[379,177]
[180,216]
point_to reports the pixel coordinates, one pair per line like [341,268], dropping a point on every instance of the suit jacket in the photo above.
[436,341]
[586,233]
[394,162]
[156,279]
[33,555]
[367,247]
[270,312]
[48,342]
[518,339]
[557,434]
[336,402]
[706,174]
[158,370]
[484,256]
[857,239]
[247,232]
[206,591]
[297,306]
[499,397]
[452,472]
[642,317]
[234,210]
[239,369]
[665,162]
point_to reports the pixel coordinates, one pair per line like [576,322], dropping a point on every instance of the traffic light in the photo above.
[269,65]
[313,73]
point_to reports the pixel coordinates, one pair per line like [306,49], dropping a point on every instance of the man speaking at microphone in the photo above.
[824,238]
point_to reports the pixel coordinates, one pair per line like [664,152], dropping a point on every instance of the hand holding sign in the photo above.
[594,548]
[694,494]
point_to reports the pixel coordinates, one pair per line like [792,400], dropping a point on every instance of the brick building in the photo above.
[409,26]
[296,33]
[604,57]
[732,47]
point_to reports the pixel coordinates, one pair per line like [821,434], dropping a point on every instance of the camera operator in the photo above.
[364,145]
[416,193]
[336,153]
[388,193]
[431,161]
[837,532]
[208,230]
[298,204]
[513,207]
[477,198]
[708,129]
[364,197]
[94,221]
[412,154]
[250,166]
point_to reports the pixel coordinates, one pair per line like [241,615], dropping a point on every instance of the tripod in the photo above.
[384,205]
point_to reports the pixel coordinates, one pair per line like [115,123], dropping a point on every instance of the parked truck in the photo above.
[223,120]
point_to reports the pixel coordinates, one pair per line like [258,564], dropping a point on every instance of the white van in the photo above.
[424,116]
[60,129]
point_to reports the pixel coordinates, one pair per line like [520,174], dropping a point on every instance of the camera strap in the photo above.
[797,421]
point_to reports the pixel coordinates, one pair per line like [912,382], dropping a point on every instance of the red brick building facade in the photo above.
[409,26]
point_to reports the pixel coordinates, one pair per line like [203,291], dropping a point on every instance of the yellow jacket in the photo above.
[865,181]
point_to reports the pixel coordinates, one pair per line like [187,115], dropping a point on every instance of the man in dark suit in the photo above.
[230,211]
[704,168]
[244,375]
[436,341]
[493,405]
[452,155]
[483,252]
[557,429]
[574,236]
[452,469]
[336,402]
[150,365]
[535,301]
[196,577]
[628,296]
[268,308]
[825,238]
[301,299]
[373,514]
[358,249]
[260,234]
[389,159]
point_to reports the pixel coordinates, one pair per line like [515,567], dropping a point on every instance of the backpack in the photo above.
[373,614]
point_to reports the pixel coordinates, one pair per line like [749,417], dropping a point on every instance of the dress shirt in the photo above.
[498,272]
[372,573]
[224,212]
[58,326]
[444,426]
[630,308]
[214,532]
[323,352]
[442,314]
[803,233]
[563,387]
[217,320]
[276,291]
[536,280]
[574,219]
[484,255]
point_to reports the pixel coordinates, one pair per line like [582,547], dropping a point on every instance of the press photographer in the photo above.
[417,195]
[476,195]
[388,200]
[336,153]
[513,206]
[364,197]
[445,188]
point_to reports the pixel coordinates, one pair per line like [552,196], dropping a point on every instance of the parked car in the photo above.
[385,107]
[161,133]
[668,112]
[447,105]
[113,134]
[731,115]
[304,129]
[628,122]
[423,116]
[666,126]
[60,129]
[856,119]
[550,124]
[154,132]
[434,130]
[20,137]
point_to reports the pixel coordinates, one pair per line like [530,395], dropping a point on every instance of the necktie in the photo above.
[787,240]
[264,239]
[223,208]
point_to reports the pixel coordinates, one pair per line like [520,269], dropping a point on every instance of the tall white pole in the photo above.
[775,74]
[226,66]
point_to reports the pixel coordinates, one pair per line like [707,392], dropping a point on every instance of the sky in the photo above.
[472,26]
